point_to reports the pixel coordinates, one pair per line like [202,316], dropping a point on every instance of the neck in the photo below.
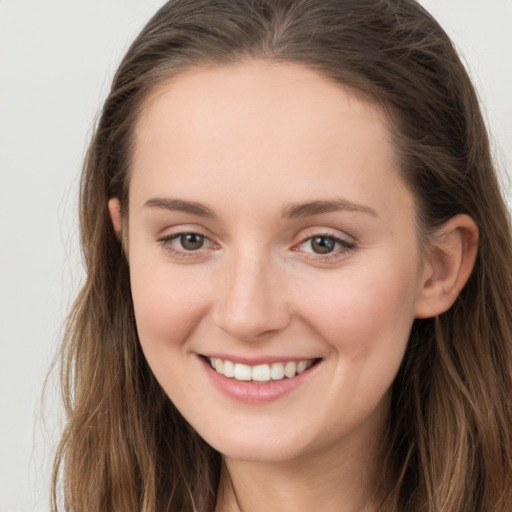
[342,481]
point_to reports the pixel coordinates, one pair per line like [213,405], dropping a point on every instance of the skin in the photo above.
[248,142]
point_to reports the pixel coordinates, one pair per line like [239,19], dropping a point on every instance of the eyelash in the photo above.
[342,246]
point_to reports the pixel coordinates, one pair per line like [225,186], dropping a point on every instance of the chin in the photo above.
[276,444]
[262,451]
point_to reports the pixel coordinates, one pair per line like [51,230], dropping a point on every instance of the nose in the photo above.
[252,304]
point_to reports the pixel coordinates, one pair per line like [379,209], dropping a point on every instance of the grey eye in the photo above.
[191,241]
[322,244]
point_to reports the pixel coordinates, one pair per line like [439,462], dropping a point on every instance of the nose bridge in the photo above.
[252,302]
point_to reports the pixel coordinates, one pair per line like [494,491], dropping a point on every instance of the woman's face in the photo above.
[270,235]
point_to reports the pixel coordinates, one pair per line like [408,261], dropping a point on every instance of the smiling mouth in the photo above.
[260,373]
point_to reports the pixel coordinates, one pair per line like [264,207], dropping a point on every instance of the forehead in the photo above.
[256,89]
[262,127]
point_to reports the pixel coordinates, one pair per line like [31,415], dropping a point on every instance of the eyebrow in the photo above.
[179,205]
[318,207]
[292,211]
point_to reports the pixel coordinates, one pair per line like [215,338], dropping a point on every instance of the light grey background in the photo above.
[57,58]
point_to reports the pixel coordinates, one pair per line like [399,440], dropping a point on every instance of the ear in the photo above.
[114,208]
[448,265]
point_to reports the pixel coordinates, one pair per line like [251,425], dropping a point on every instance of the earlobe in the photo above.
[449,264]
[114,208]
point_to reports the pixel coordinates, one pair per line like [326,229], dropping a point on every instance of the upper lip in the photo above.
[254,361]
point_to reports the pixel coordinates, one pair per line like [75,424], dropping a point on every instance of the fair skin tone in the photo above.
[268,224]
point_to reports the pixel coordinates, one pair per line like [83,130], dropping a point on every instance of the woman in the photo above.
[298,278]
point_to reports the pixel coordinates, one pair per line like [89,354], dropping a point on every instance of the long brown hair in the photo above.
[125,446]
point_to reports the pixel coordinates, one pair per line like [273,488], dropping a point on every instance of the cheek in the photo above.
[378,301]
[366,319]
[168,309]
[167,304]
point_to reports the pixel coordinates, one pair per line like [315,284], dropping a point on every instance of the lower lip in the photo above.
[254,392]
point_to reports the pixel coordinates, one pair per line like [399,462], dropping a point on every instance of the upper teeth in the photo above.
[260,372]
